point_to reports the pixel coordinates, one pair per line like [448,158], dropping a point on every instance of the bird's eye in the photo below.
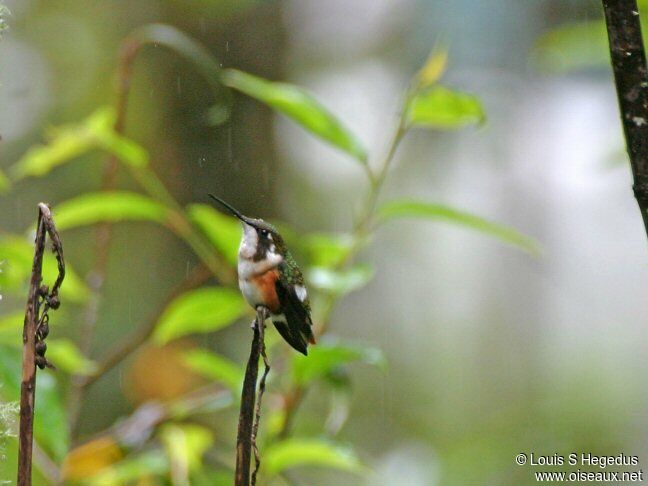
[264,232]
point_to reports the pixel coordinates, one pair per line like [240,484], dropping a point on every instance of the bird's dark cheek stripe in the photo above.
[263,246]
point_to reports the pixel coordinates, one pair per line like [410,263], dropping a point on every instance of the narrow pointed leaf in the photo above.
[191,50]
[112,206]
[325,357]
[441,108]
[440,212]
[224,232]
[66,356]
[299,105]
[310,452]
[68,142]
[340,282]
[199,311]
[65,144]
[433,68]
[214,367]
[328,250]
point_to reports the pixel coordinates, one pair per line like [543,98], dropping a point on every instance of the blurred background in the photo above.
[490,352]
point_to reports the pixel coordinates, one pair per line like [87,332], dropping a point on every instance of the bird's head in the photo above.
[260,238]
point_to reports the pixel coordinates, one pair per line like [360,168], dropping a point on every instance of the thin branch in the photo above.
[122,350]
[294,397]
[248,397]
[35,331]
[131,46]
[257,415]
[631,77]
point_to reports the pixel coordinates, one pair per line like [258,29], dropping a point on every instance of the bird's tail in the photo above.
[296,330]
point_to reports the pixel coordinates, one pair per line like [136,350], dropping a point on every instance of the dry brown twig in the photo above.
[257,414]
[628,57]
[36,328]
[249,415]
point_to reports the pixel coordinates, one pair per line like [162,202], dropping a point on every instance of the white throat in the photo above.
[247,267]
[248,242]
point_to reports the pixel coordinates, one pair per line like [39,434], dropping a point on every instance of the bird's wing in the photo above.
[295,307]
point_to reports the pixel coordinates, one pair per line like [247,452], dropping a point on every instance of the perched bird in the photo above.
[269,276]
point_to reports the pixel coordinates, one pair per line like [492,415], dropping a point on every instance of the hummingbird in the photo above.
[269,276]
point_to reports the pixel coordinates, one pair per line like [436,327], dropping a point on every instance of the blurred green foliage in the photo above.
[182,447]
[580,45]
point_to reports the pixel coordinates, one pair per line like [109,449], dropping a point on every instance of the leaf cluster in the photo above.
[177,444]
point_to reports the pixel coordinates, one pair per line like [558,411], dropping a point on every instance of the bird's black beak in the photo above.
[231,209]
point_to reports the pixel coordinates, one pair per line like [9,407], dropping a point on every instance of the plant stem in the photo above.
[28,385]
[33,317]
[248,398]
[294,397]
[150,182]
[631,77]
[103,235]
[257,414]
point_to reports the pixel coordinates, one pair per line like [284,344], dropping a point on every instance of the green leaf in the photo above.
[299,105]
[11,329]
[65,144]
[327,250]
[50,427]
[416,209]
[572,47]
[326,357]
[108,206]
[340,282]
[66,356]
[18,254]
[188,48]
[442,108]
[5,183]
[224,232]
[63,353]
[433,68]
[185,445]
[579,45]
[199,311]
[133,468]
[68,142]
[310,452]
[127,151]
[214,367]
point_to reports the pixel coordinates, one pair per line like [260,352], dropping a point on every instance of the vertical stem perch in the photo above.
[35,329]
[248,398]
[257,415]
[631,78]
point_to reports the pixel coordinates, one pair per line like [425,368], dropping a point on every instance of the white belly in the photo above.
[250,292]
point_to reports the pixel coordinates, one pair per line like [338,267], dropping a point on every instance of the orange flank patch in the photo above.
[311,339]
[266,284]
